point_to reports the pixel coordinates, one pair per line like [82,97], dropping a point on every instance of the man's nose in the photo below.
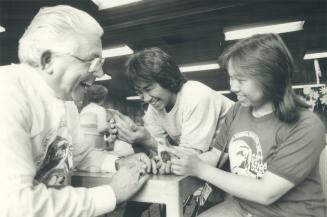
[99,73]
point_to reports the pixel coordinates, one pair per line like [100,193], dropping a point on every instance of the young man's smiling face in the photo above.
[154,94]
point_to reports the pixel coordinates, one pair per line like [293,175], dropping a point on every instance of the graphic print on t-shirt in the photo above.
[245,155]
[57,162]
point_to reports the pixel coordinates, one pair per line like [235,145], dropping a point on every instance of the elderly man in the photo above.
[60,54]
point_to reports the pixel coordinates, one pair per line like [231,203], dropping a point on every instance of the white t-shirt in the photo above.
[40,143]
[192,121]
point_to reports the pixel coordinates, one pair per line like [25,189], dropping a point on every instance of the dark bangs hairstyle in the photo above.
[154,65]
[266,59]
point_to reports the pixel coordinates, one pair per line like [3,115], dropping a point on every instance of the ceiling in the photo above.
[190,31]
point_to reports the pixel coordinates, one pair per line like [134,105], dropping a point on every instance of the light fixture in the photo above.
[223,91]
[231,33]
[199,67]
[133,98]
[308,85]
[315,55]
[105,4]
[2,29]
[104,78]
[117,51]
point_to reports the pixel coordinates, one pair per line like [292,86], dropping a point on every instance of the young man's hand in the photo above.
[124,128]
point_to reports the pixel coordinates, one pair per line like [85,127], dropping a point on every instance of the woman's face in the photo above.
[246,88]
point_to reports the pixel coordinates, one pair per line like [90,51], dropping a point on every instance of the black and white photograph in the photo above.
[163,108]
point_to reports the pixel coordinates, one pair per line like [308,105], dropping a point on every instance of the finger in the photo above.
[122,134]
[121,123]
[177,153]
[143,179]
[147,162]
[168,167]
[159,164]
[154,167]
[127,120]
[122,128]
[162,169]
[156,158]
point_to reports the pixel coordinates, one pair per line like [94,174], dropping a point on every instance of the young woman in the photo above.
[273,142]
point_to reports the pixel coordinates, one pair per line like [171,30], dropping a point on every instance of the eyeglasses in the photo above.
[96,63]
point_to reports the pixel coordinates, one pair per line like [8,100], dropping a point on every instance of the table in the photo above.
[171,190]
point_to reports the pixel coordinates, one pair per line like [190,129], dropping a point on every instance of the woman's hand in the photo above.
[186,164]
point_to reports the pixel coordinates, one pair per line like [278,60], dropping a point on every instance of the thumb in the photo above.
[143,179]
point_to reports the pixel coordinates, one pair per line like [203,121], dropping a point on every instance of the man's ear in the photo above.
[46,62]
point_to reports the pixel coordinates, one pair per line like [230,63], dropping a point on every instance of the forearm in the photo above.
[68,201]
[96,161]
[149,143]
[236,185]
[210,157]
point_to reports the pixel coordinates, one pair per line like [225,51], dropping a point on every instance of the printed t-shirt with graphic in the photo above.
[40,143]
[291,151]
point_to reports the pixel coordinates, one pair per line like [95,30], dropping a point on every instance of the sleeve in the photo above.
[299,150]
[223,105]
[222,133]
[18,195]
[201,114]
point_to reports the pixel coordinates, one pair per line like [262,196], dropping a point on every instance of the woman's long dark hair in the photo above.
[266,59]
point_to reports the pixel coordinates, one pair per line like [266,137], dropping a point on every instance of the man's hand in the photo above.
[140,159]
[127,181]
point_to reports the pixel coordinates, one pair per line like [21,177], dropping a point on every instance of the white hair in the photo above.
[54,29]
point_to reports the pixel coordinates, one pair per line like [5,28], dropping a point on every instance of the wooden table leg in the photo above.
[174,206]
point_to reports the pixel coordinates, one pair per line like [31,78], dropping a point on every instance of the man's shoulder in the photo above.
[195,91]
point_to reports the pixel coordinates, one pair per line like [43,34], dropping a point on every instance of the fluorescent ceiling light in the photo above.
[117,51]
[316,55]
[224,91]
[133,98]
[2,29]
[199,67]
[308,85]
[276,28]
[105,4]
[103,78]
